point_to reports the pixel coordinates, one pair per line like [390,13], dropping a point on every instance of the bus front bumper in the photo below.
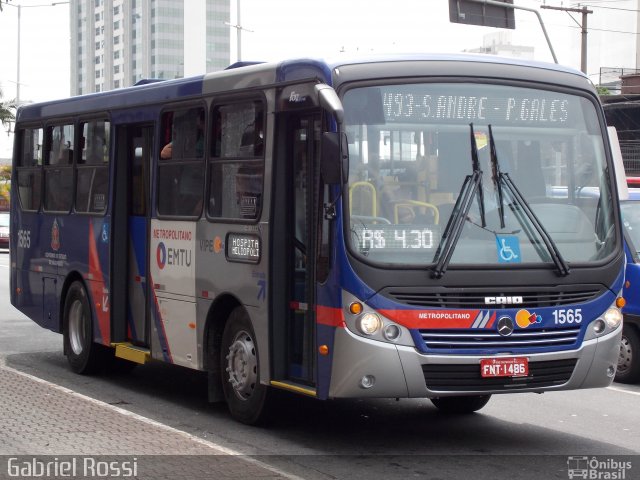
[374,369]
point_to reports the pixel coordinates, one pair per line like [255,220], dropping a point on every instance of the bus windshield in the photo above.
[414,147]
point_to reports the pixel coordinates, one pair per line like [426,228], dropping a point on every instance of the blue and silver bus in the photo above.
[384,227]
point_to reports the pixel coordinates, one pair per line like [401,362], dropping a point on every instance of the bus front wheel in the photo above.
[629,360]
[246,397]
[82,353]
[461,404]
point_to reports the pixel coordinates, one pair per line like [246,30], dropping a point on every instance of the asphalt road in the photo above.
[514,436]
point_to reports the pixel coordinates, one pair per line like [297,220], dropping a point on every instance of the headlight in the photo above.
[613,317]
[369,323]
[391,332]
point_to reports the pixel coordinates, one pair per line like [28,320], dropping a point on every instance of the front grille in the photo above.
[466,377]
[483,339]
[532,297]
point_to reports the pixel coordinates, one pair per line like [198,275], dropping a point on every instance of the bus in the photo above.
[387,227]
[621,112]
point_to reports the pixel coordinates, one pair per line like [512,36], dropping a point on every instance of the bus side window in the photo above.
[58,169]
[237,161]
[92,170]
[180,170]
[29,168]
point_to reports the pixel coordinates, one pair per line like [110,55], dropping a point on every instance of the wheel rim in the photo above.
[242,365]
[76,327]
[626,355]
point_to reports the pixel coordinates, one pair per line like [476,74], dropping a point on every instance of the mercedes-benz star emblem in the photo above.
[505,326]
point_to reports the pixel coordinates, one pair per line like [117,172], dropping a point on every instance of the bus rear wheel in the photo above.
[629,360]
[246,397]
[84,356]
[461,404]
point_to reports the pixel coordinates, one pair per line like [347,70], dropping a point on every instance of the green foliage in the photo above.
[6,114]
[5,185]
[603,90]
[5,173]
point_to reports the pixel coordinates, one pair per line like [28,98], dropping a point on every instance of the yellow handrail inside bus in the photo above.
[374,195]
[416,203]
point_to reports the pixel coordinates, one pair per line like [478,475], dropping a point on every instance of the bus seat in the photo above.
[413,206]
[365,196]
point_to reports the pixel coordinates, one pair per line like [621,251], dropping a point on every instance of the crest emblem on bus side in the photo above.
[55,236]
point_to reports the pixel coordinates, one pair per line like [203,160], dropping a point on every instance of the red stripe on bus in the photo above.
[162,333]
[97,286]
[332,317]
[436,319]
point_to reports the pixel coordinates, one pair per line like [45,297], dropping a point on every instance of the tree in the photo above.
[603,90]
[6,115]
[5,186]
[5,1]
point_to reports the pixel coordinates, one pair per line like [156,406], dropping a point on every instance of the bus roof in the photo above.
[254,74]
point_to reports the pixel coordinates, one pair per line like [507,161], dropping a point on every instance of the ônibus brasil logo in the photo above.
[161,255]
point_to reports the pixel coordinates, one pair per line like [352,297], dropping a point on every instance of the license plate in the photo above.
[504,367]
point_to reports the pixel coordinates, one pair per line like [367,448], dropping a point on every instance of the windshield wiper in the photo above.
[523,212]
[471,188]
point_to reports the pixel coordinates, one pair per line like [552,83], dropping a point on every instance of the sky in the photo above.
[281,29]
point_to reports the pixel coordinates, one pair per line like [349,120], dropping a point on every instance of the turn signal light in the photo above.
[620,302]
[355,308]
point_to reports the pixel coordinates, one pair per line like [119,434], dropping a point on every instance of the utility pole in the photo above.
[638,37]
[583,30]
[18,67]
[239,28]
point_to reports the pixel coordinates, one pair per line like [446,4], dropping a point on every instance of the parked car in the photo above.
[4,229]
[629,360]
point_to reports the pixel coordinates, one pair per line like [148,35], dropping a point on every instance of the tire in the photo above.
[240,361]
[461,404]
[629,360]
[84,356]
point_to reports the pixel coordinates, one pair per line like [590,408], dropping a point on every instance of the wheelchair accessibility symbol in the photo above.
[508,249]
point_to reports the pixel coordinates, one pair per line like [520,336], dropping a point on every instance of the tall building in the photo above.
[500,43]
[115,43]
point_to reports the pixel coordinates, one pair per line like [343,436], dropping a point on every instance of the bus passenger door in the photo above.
[130,236]
[304,137]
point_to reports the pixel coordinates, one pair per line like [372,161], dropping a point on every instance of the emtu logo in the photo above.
[161,255]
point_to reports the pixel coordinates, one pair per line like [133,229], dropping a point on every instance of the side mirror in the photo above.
[329,101]
[334,162]
[335,149]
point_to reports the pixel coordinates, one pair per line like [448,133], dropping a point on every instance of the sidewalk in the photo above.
[55,424]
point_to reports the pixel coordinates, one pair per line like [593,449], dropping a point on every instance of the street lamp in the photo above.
[20,7]
[238,26]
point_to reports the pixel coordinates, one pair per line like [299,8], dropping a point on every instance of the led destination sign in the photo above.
[403,106]
[396,237]
[243,247]
[460,103]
